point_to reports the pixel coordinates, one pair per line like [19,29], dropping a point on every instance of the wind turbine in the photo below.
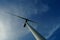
[36,34]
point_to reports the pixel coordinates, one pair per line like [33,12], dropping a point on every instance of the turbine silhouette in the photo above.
[36,34]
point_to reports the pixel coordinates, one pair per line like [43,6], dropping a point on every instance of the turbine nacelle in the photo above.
[25,22]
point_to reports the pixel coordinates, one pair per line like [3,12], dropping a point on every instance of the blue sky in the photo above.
[45,12]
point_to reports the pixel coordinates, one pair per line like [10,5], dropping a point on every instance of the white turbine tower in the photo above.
[36,34]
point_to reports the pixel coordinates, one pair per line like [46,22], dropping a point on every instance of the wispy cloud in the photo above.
[53,30]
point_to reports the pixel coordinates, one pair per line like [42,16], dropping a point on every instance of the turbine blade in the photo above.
[32,21]
[17,16]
